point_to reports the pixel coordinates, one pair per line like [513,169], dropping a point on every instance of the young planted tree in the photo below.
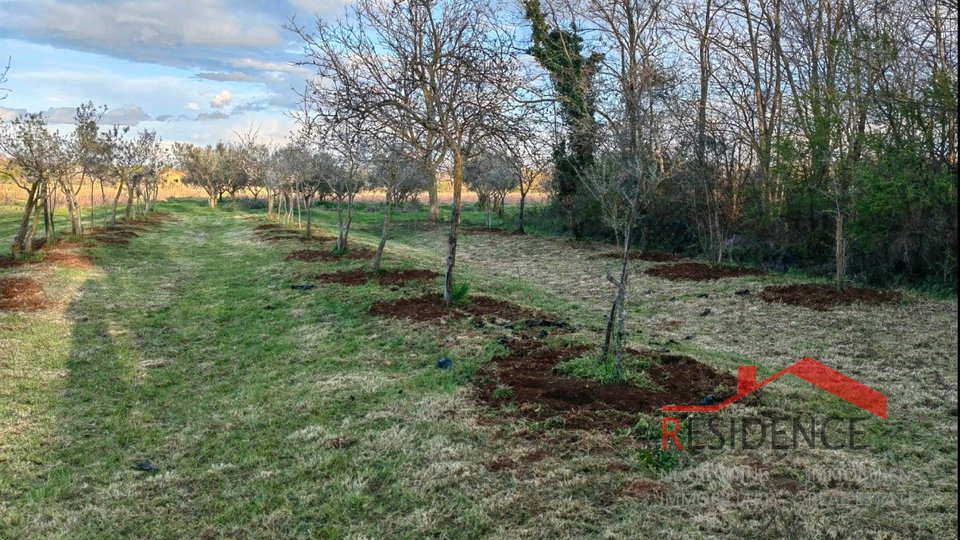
[345,173]
[638,81]
[91,152]
[398,172]
[255,162]
[147,160]
[529,157]
[211,168]
[491,176]
[36,157]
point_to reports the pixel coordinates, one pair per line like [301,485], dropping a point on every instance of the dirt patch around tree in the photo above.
[70,244]
[432,307]
[314,255]
[701,272]
[525,377]
[69,260]
[385,277]
[824,297]
[21,294]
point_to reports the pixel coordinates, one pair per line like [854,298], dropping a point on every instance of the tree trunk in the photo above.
[840,254]
[454,224]
[73,209]
[433,191]
[341,237]
[523,202]
[18,244]
[383,234]
[127,213]
[270,197]
[116,201]
[308,201]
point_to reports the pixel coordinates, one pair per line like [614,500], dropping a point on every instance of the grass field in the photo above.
[272,412]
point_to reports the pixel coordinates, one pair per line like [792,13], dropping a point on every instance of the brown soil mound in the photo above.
[312,255]
[701,272]
[269,227]
[385,277]
[400,277]
[432,306]
[528,371]
[648,256]
[316,239]
[824,297]
[70,260]
[117,236]
[118,230]
[279,236]
[20,294]
[7,261]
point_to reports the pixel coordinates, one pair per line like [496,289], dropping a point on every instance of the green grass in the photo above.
[588,367]
[274,412]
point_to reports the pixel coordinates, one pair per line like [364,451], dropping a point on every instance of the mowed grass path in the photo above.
[274,412]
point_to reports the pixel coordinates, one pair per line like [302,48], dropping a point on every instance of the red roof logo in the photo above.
[809,370]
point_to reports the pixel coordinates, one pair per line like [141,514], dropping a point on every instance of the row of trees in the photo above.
[44,162]
[795,126]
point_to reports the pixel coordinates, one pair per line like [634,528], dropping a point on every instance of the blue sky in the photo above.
[193,70]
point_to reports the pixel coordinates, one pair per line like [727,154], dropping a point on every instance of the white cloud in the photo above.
[221,100]
[192,106]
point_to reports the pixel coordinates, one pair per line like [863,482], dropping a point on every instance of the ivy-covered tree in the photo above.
[561,53]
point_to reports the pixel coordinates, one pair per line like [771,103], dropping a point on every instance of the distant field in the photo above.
[271,409]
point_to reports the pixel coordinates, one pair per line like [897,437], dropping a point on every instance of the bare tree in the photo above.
[634,71]
[491,176]
[445,66]
[398,172]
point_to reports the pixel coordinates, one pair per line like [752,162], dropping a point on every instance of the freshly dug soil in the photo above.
[69,244]
[528,371]
[701,272]
[70,260]
[824,297]
[119,236]
[647,256]
[385,277]
[317,239]
[20,294]
[7,261]
[431,307]
[312,255]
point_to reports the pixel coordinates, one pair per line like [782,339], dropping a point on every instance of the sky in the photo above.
[196,71]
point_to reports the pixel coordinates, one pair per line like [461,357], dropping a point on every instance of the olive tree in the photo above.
[37,158]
